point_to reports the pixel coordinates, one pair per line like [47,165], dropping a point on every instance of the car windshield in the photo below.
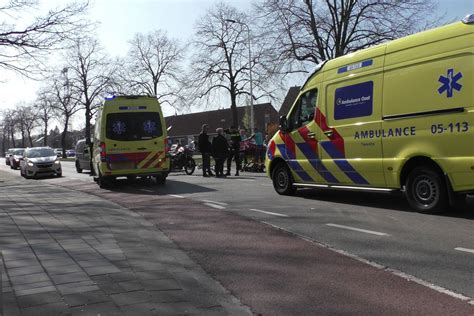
[133,126]
[18,152]
[40,152]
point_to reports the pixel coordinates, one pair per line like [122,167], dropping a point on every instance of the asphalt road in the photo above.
[379,228]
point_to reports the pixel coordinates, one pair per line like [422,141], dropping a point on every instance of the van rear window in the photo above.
[133,126]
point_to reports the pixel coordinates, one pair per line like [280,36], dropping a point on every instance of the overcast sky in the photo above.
[121,19]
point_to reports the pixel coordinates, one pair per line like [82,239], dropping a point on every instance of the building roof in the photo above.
[190,124]
[290,98]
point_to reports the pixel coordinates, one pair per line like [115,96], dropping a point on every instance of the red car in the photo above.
[14,157]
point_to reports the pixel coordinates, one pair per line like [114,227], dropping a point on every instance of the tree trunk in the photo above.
[45,138]
[12,136]
[63,137]
[233,107]
[88,124]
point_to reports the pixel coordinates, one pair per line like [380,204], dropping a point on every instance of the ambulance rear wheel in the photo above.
[426,190]
[283,180]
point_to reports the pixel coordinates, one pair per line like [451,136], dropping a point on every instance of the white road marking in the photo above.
[219,207]
[464,249]
[245,179]
[359,230]
[145,190]
[266,185]
[215,202]
[176,196]
[269,213]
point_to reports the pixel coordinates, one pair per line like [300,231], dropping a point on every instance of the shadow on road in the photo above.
[149,187]
[394,201]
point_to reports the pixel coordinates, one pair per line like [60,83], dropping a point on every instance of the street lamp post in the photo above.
[252,122]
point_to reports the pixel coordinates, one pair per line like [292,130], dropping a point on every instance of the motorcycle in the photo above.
[181,157]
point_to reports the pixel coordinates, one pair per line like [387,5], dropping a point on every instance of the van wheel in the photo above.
[160,180]
[78,169]
[283,180]
[426,190]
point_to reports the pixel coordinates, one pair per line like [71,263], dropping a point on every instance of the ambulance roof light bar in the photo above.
[468,19]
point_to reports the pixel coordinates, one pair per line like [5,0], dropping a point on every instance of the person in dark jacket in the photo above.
[234,150]
[220,151]
[205,147]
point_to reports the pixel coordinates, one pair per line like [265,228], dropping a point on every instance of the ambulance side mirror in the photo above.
[284,124]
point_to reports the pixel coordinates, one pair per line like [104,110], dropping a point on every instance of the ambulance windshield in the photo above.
[132,126]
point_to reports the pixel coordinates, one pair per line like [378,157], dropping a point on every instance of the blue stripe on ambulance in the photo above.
[294,165]
[316,162]
[342,163]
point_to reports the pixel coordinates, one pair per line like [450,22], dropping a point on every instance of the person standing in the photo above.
[234,150]
[260,149]
[220,151]
[205,148]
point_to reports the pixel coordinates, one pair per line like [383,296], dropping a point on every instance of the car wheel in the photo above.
[78,168]
[426,190]
[59,175]
[190,166]
[283,180]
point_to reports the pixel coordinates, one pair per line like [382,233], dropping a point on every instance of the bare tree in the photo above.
[91,74]
[153,66]
[23,45]
[10,124]
[45,111]
[27,121]
[313,31]
[64,104]
[221,62]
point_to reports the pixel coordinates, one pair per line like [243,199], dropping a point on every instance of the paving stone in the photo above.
[153,275]
[178,308]
[171,296]
[57,262]
[59,308]
[141,309]
[105,308]
[131,285]
[86,298]
[102,279]
[78,287]
[64,269]
[161,285]
[21,263]
[53,256]
[32,285]
[112,288]
[101,270]
[29,278]
[130,298]
[35,290]
[70,277]
[39,299]
[93,263]
[122,276]
[25,270]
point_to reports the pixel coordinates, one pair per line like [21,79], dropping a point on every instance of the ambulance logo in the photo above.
[450,83]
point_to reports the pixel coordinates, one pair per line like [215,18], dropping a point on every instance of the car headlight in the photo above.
[30,164]
[57,162]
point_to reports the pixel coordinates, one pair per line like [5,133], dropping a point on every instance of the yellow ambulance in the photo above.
[397,116]
[130,140]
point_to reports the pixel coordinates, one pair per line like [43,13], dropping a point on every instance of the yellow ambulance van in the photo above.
[397,116]
[130,140]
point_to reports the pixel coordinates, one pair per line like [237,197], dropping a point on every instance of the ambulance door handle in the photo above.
[328,133]
[312,135]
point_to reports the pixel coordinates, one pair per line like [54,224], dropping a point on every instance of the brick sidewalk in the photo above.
[67,252]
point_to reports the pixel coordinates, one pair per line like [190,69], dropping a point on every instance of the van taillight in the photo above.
[103,154]
[167,148]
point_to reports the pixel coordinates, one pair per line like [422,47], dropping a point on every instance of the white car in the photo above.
[40,161]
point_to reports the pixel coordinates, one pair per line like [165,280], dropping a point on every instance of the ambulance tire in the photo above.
[283,180]
[78,168]
[426,190]
[160,180]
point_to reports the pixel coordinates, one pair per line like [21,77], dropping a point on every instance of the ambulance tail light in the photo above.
[103,154]
[167,147]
